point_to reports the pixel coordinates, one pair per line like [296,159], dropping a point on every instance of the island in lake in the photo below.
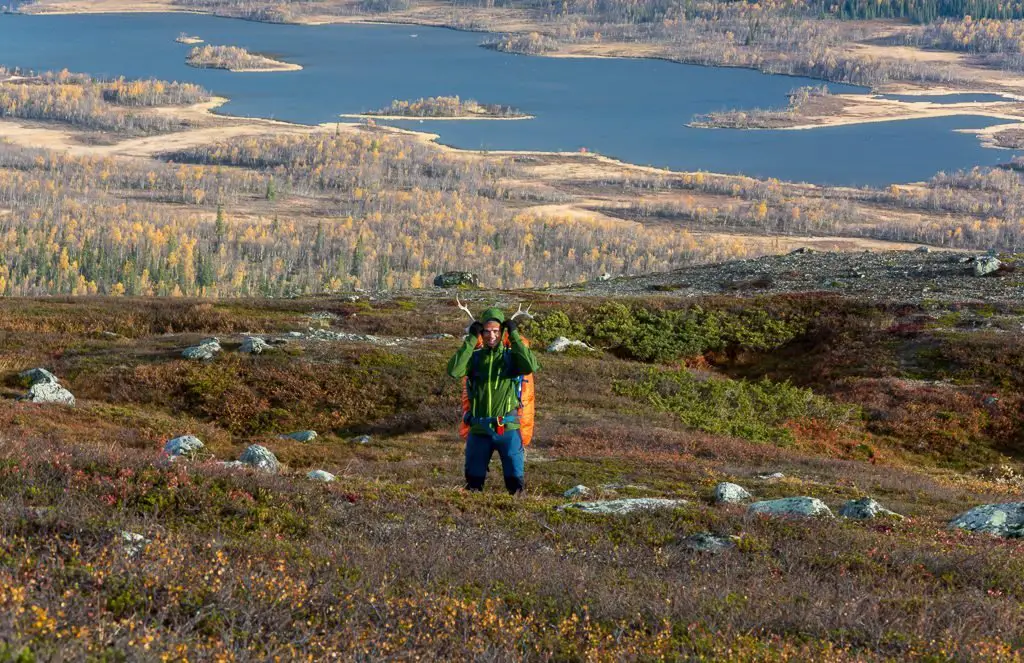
[184,38]
[445,108]
[235,58]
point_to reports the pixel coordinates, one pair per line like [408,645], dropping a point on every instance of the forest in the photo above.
[116,105]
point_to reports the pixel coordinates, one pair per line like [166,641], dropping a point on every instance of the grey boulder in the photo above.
[708,542]
[321,475]
[49,392]
[183,445]
[984,265]
[302,435]
[254,345]
[38,375]
[362,439]
[1005,520]
[261,458]
[730,493]
[866,509]
[561,344]
[625,505]
[456,280]
[791,506]
[577,491]
[205,351]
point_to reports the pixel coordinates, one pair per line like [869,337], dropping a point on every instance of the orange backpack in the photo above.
[524,391]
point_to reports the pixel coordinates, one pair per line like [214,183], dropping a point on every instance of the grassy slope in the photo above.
[394,560]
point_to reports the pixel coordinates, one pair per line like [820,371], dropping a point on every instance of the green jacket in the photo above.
[492,388]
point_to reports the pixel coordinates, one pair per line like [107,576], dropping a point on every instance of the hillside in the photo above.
[112,551]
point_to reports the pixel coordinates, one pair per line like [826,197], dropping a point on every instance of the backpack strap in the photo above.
[518,378]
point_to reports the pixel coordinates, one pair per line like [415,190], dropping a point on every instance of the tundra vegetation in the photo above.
[393,560]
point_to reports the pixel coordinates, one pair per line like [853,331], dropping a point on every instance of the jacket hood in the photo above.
[493,313]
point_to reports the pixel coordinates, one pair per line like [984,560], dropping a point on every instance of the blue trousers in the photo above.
[480,448]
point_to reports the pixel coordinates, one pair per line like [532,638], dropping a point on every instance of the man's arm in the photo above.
[523,357]
[459,363]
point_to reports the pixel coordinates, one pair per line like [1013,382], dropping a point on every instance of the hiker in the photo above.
[495,363]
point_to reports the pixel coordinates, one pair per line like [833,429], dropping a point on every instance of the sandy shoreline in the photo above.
[413,118]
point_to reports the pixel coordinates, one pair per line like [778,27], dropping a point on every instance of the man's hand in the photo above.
[476,328]
[510,325]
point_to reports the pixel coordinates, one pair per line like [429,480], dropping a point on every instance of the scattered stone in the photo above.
[183,445]
[328,335]
[321,475]
[1006,520]
[231,464]
[866,509]
[708,542]
[985,265]
[302,435]
[605,277]
[38,375]
[205,351]
[323,315]
[435,337]
[457,279]
[133,543]
[577,491]
[49,392]
[730,493]
[362,439]
[774,476]
[254,345]
[923,249]
[295,334]
[261,458]
[626,505]
[561,344]
[792,506]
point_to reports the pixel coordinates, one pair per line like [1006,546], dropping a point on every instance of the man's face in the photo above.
[492,333]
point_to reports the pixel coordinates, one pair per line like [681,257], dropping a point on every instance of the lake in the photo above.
[633,110]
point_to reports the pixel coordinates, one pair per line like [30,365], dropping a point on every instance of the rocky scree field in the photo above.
[111,549]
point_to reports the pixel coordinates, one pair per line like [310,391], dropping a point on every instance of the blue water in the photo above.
[964,98]
[633,110]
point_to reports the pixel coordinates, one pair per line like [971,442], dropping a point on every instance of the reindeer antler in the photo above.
[521,312]
[465,308]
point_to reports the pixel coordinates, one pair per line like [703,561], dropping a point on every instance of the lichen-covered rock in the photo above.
[625,505]
[133,543]
[321,475]
[577,491]
[261,458]
[792,506]
[866,509]
[183,445]
[38,375]
[774,476]
[708,542]
[253,345]
[457,280]
[730,493]
[302,435]
[49,392]
[984,265]
[1005,520]
[561,344]
[206,350]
